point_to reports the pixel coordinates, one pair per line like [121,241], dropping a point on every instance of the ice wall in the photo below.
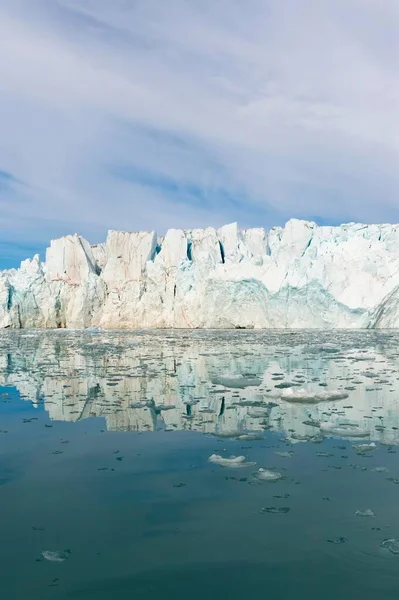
[298,276]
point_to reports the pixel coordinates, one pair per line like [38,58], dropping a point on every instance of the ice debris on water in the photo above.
[305,397]
[228,434]
[274,510]
[250,437]
[338,540]
[232,462]
[237,381]
[391,544]
[362,448]
[56,555]
[343,430]
[268,475]
[364,512]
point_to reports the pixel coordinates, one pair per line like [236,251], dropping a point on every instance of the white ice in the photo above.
[297,276]
[307,397]
[233,462]
[268,475]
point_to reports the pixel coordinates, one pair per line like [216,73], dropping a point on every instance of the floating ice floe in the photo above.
[56,555]
[250,437]
[391,544]
[343,429]
[284,454]
[268,475]
[315,439]
[232,462]
[306,397]
[227,434]
[329,348]
[361,356]
[364,512]
[237,381]
[362,448]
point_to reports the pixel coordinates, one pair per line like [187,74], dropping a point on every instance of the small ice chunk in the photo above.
[237,381]
[56,555]
[329,348]
[343,430]
[391,544]
[359,357]
[364,512]
[250,437]
[305,397]
[228,434]
[380,469]
[284,454]
[268,475]
[365,447]
[233,462]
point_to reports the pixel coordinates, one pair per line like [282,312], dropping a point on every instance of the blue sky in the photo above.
[150,114]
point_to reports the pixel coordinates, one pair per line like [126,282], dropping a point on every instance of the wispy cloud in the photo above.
[144,114]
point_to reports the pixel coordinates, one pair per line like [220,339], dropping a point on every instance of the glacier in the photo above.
[298,276]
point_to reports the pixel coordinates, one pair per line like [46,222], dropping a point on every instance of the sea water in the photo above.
[199,464]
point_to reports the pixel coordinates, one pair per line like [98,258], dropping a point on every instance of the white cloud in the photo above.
[151,114]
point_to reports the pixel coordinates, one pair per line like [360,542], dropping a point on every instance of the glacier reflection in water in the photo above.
[308,385]
[200,464]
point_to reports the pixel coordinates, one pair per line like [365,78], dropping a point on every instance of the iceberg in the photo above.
[298,276]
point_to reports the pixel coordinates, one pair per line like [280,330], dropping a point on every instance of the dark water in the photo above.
[104,460]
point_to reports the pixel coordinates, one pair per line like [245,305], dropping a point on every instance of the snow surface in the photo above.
[298,276]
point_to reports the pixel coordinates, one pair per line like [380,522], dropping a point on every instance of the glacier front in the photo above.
[298,276]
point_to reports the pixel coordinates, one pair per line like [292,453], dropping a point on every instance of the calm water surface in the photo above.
[107,490]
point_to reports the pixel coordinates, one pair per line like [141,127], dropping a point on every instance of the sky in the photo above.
[152,114]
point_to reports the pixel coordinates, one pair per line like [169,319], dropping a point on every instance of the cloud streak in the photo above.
[143,114]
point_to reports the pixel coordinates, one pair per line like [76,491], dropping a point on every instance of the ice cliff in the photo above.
[297,276]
